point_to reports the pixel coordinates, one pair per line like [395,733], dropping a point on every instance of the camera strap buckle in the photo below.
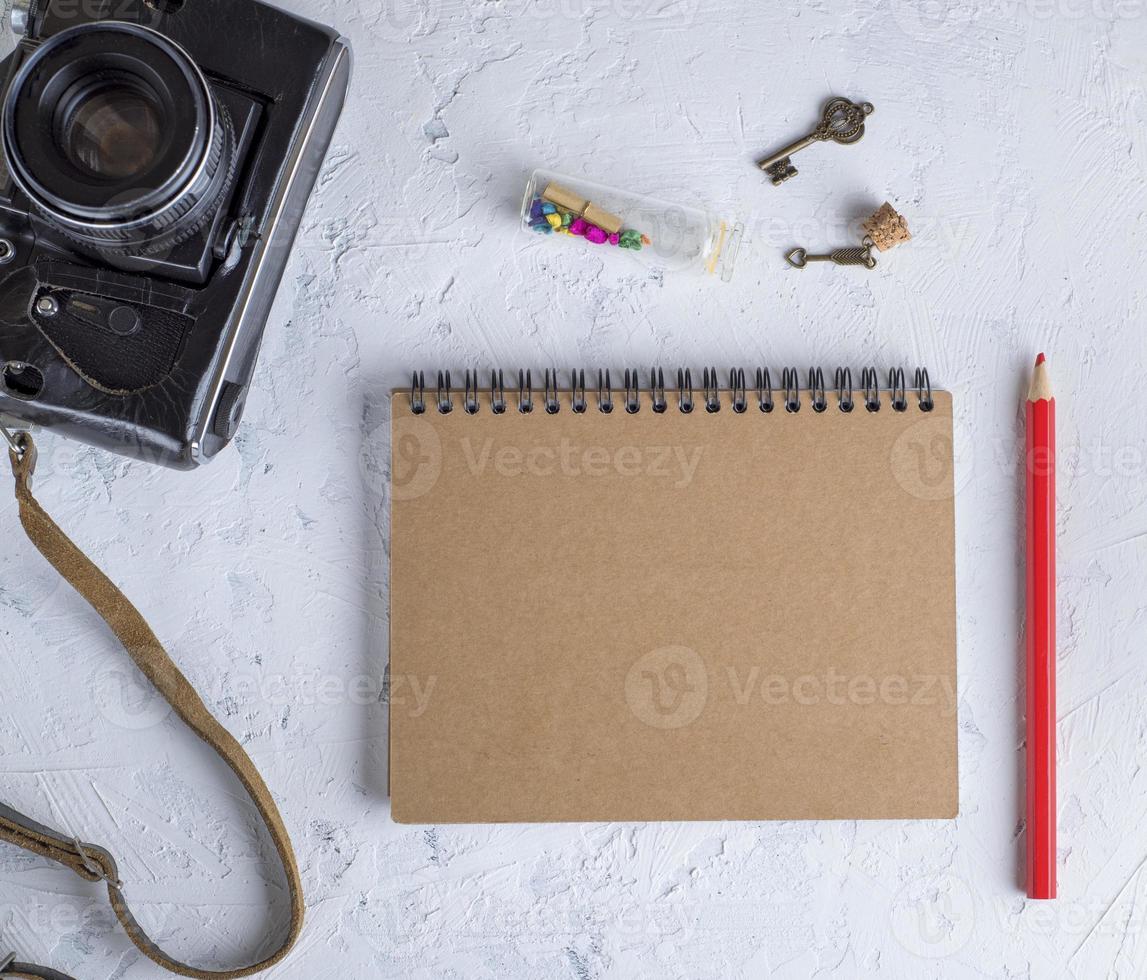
[16,440]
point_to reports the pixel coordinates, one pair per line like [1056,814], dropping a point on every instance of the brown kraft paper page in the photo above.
[672,617]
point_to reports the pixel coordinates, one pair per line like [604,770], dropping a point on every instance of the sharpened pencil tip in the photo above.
[1041,382]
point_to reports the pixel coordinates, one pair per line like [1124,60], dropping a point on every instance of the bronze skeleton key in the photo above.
[841,121]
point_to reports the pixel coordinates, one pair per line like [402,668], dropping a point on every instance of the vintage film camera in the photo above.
[159,157]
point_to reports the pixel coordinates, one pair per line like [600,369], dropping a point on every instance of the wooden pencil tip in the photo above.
[1041,381]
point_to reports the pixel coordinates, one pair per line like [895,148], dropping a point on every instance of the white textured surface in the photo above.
[1012,136]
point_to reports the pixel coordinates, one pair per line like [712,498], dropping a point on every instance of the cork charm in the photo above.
[884,229]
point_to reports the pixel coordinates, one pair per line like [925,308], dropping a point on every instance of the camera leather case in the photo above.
[159,159]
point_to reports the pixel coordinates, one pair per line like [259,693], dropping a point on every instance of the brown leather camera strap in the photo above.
[94,863]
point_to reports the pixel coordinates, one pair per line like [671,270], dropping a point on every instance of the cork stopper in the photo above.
[887,228]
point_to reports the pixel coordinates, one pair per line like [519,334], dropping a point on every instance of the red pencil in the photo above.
[1041,882]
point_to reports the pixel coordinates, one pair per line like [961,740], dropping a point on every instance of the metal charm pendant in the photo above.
[798,258]
[841,121]
[884,229]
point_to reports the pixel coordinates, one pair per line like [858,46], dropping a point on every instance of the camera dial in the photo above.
[113,133]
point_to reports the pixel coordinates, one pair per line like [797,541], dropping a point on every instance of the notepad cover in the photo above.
[672,617]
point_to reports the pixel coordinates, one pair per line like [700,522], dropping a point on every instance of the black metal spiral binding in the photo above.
[764,390]
[418,393]
[578,401]
[657,389]
[791,383]
[737,387]
[604,393]
[445,398]
[899,393]
[816,390]
[552,403]
[685,391]
[470,403]
[497,393]
[632,392]
[738,395]
[712,391]
[924,390]
[871,385]
[844,384]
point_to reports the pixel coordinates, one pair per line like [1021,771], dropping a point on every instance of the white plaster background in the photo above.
[1011,134]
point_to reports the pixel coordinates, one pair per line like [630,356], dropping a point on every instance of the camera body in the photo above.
[159,156]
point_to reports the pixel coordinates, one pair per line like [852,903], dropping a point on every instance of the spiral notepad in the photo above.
[672,596]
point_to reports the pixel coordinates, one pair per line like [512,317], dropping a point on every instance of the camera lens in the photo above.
[114,135]
[114,131]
